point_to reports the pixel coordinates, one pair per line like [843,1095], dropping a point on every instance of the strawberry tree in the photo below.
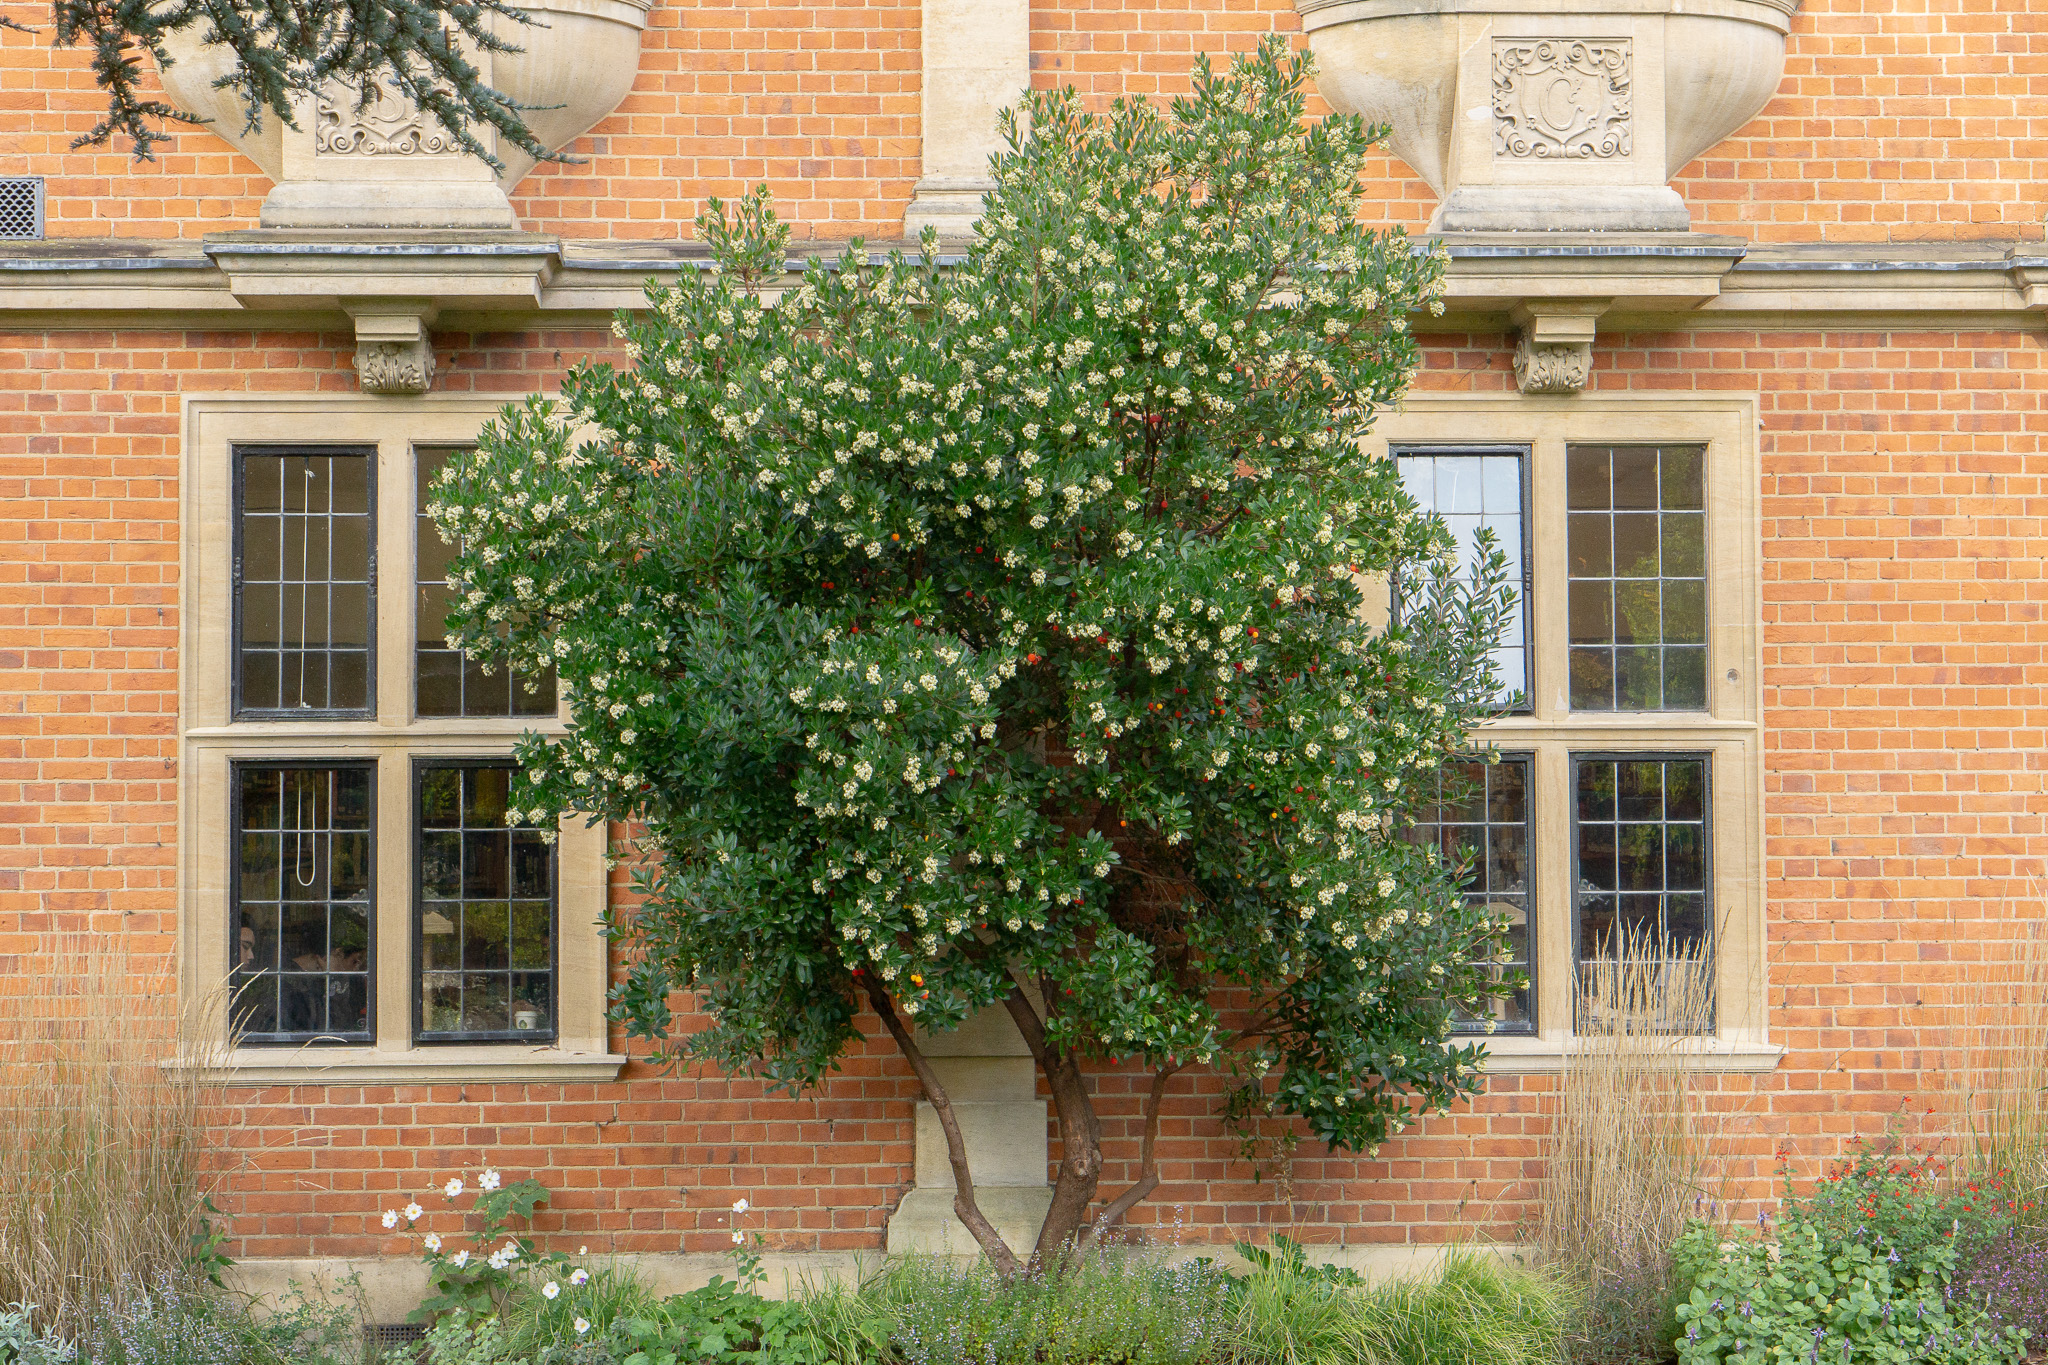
[993,631]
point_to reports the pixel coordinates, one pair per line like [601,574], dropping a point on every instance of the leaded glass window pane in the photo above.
[304,597]
[302,903]
[1642,836]
[445,682]
[1637,531]
[485,894]
[1481,819]
[1474,492]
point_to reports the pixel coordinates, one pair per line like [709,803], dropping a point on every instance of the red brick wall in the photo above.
[1905,525]
[1894,123]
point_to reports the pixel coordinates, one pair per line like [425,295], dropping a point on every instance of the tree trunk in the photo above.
[965,1208]
[1148,1162]
[1080,1138]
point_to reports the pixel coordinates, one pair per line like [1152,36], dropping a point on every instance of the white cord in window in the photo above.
[305,581]
[312,867]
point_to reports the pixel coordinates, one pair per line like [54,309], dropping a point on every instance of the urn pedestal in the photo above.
[379,162]
[1531,116]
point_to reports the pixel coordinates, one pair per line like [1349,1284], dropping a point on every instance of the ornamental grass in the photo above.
[105,1163]
[1997,1092]
[1138,1306]
[1996,1103]
[1629,1158]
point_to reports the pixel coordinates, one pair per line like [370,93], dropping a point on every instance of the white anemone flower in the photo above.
[550,1290]
[391,1218]
[413,1213]
[582,1326]
[453,1187]
[488,1180]
[432,1241]
[460,1258]
[739,1206]
[579,1278]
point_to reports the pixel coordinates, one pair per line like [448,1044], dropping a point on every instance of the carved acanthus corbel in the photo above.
[394,353]
[1554,343]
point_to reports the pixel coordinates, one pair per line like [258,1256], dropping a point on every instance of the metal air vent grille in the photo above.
[21,207]
[379,1337]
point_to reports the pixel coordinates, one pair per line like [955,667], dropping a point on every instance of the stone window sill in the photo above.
[419,1066]
[1525,1056]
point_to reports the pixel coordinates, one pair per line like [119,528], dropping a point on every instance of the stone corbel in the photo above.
[1554,343]
[394,353]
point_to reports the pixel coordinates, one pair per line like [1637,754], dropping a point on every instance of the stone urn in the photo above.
[1562,115]
[383,163]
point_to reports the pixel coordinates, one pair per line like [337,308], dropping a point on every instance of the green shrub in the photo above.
[182,1321]
[308,1325]
[22,1344]
[1478,1311]
[608,1317]
[1860,1272]
[1129,1307]
[1117,1306]
[1134,1307]
[460,1338]
[721,1323]
[457,1339]
[598,1298]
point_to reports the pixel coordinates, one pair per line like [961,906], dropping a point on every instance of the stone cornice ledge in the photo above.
[1987,280]
[450,271]
[1673,278]
[250,1066]
[1511,1055]
[509,280]
[1632,272]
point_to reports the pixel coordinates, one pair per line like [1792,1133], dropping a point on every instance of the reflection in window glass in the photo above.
[1473,493]
[301,957]
[1642,854]
[486,897]
[303,598]
[1482,819]
[1637,535]
[446,683]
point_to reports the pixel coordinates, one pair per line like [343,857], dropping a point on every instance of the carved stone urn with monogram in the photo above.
[370,159]
[1567,117]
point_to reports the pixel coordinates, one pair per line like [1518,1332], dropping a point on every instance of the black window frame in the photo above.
[421,765]
[237,455]
[1706,580]
[1711,946]
[236,769]
[515,682]
[1530,947]
[1526,454]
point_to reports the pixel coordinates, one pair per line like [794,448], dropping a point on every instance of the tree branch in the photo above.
[964,1205]
[1148,1161]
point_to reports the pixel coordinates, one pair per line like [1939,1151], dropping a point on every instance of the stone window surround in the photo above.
[1730,730]
[209,740]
